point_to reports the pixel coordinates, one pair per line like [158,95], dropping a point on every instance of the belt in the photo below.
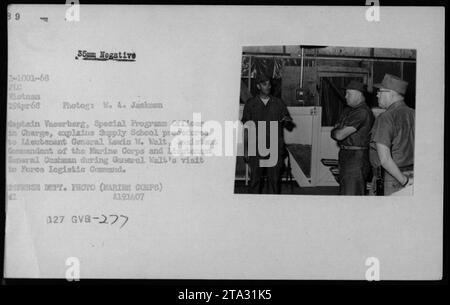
[406,168]
[353,147]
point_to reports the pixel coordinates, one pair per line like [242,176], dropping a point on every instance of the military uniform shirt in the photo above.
[361,118]
[395,129]
[274,110]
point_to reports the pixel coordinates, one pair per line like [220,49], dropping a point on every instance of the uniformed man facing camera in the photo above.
[265,108]
[352,133]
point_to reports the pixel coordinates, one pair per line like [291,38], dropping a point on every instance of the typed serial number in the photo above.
[110,219]
[29,78]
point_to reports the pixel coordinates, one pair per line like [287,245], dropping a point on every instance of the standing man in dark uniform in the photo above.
[352,134]
[392,140]
[265,108]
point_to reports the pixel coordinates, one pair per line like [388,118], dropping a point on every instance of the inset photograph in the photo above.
[327,120]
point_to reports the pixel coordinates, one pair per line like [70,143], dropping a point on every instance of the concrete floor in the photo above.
[292,188]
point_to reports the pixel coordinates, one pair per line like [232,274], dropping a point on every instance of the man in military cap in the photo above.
[265,108]
[352,133]
[392,139]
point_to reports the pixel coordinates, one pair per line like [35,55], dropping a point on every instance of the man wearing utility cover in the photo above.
[392,136]
[262,110]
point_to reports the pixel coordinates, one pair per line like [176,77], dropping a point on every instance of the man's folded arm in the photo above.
[340,134]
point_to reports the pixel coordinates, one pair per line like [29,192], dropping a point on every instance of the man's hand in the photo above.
[339,124]
[286,119]
[287,123]
[410,182]
[386,161]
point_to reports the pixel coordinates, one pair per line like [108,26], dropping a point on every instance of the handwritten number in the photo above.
[117,217]
[104,220]
[126,220]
